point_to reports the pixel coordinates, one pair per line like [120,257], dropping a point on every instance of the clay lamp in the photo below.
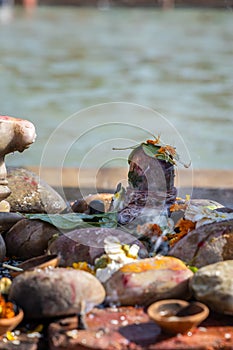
[8,324]
[38,262]
[15,135]
[10,314]
[177,316]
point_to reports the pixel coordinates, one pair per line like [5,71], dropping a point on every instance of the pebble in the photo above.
[227,336]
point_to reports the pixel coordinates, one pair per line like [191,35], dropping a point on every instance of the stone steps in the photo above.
[108,178]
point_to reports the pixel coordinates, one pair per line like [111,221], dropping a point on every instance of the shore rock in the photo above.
[29,238]
[147,280]
[30,194]
[88,244]
[213,285]
[206,245]
[56,292]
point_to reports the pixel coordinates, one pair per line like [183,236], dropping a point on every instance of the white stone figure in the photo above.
[15,135]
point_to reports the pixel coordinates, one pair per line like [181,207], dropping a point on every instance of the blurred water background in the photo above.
[60,61]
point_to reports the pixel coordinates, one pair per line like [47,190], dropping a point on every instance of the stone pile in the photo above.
[108,275]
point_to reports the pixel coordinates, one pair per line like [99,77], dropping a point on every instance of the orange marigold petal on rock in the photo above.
[185,225]
[155,263]
[177,206]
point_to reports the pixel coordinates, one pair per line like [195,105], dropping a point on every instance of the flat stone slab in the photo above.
[22,342]
[127,328]
[123,328]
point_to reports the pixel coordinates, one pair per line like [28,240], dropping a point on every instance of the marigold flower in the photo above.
[83,265]
[6,308]
[167,150]
[178,206]
[154,142]
[185,225]
[171,150]
[149,229]
[182,228]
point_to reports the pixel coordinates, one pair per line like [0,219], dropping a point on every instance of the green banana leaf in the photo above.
[71,221]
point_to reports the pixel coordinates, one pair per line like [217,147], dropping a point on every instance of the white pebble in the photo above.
[73,333]
[202,329]
[114,322]
[227,336]
[15,342]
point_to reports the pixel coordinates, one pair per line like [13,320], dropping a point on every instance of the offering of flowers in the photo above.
[116,255]
[144,208]
[10,314]
[7,308]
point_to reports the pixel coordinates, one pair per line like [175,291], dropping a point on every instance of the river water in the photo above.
[94,79]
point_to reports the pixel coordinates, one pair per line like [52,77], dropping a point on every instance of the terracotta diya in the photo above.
[39,262]
[177,316]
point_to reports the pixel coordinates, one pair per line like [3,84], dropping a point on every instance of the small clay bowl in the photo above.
[177,316]
[39,262]
[8,324]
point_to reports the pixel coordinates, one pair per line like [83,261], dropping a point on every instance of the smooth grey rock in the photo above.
[55,292]
[30,194]
[213,285]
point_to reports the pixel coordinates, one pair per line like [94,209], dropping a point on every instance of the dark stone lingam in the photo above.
[150,185]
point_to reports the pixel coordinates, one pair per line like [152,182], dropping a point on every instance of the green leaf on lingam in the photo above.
[72,221]
[149,149]
[152,151]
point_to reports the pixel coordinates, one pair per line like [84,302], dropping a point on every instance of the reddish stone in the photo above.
[130,328]
[206,244]
[22,342]
[112,329]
